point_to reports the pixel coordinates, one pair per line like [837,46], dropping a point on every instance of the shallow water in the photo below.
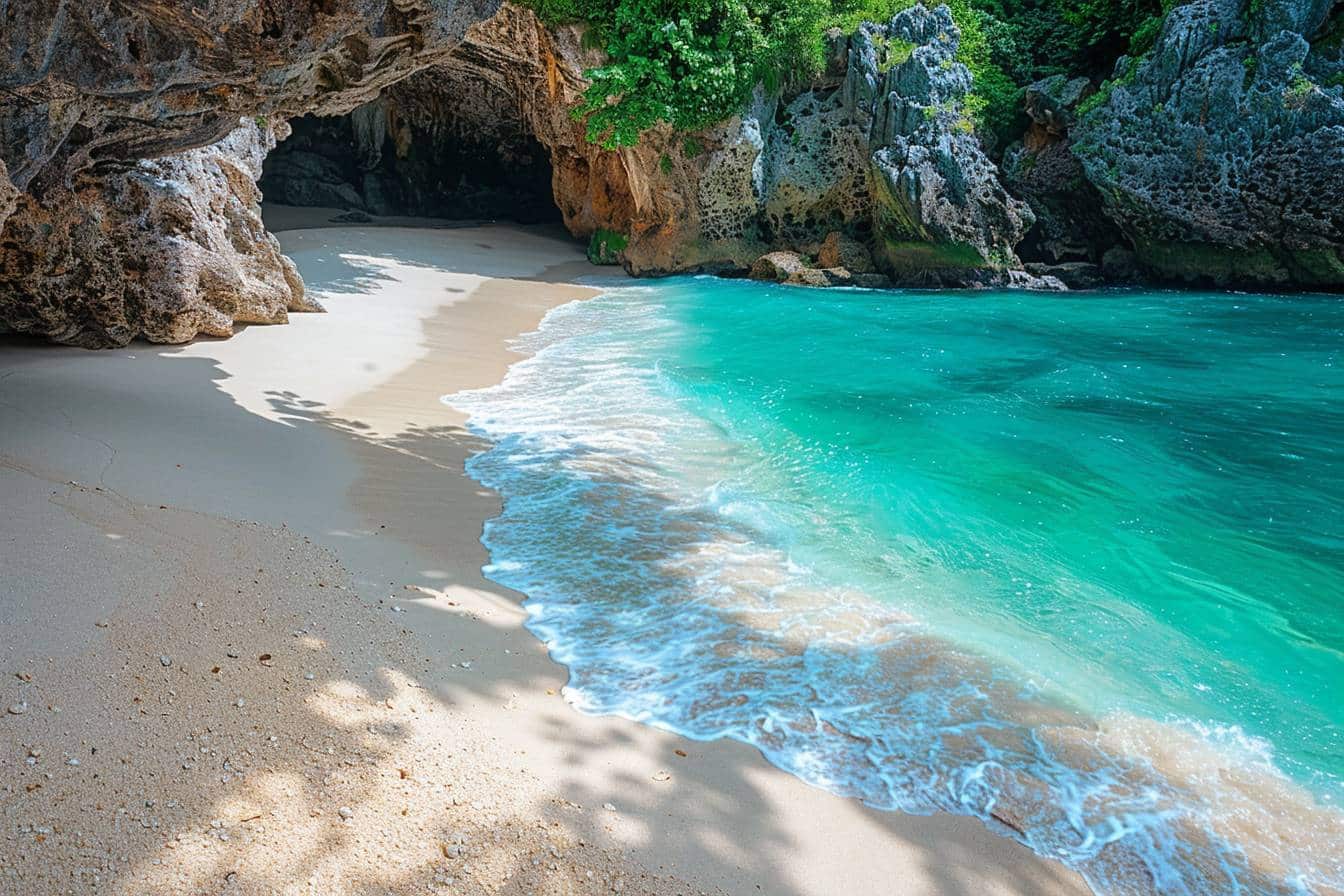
[1071,564]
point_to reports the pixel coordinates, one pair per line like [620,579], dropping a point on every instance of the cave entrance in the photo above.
[420,149]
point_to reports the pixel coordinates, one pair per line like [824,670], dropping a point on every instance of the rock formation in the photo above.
[131,135]
[1220,154]
[98,249]
[93,85]
[168,250]
[941,213]
[879,151]
[464,154]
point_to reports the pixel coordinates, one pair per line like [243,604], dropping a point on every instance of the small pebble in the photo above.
[165,661]
[609,807]
[346,812]
[18,709]
[308,676]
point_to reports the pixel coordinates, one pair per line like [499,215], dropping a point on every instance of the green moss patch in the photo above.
[912,256]
[606,246]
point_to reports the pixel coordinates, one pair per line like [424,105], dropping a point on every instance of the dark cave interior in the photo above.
[381,163]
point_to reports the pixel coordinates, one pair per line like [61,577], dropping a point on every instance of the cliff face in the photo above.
[97,248]
[880,151]
[1220,155]
[167,250]
[89,85]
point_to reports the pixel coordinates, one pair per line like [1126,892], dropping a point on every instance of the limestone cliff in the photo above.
[167,250]
[95,85]
[1220,154]
[131,137]
[880,150]
[98,247]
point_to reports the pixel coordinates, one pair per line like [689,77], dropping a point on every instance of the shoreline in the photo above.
[304,484]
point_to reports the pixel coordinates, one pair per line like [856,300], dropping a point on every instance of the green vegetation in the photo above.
[605,247]
[1296,94]
[691,63]
[917,255]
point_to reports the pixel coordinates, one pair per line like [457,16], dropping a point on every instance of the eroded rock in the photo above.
[879,152]
[777,266]
[1042,168]
[104,84]
[941,214]
[839,250]
[1220,154]
[99,249]
[168,250]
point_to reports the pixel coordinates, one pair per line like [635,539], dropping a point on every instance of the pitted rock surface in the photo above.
[99,246]
[102,84]
[941,212]
[1043,169]
[168,250]
[1221,153]
[780,176]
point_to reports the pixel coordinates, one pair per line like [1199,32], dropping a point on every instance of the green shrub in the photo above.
[691,63]
[1296,94]
[605,247]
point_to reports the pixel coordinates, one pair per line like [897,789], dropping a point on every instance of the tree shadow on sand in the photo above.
[724,820]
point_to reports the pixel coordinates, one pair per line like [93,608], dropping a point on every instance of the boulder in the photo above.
[1052,102]
[777,266]
[1021,279]
[1073,274]
[821,277]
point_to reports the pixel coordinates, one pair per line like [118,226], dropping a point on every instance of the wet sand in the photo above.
[246,630]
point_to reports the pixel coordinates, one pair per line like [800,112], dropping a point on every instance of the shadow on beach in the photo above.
[155,444]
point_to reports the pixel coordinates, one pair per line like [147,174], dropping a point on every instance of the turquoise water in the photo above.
[1073,564]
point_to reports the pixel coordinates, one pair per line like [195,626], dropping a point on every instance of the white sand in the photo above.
[299,482]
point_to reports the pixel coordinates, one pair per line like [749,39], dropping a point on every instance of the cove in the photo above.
[1071,564]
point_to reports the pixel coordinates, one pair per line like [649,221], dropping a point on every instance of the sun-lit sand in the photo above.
[247,647]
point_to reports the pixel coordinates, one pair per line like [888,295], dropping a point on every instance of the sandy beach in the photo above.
[247,647]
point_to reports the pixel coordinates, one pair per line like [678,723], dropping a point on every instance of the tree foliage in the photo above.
[691,63]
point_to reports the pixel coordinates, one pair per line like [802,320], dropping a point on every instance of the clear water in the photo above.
[1071,564]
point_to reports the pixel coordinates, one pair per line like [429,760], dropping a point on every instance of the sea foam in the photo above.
[664,562]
